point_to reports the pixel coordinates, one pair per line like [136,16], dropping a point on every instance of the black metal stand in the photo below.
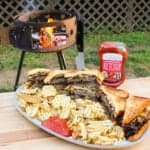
[61,61]
[19,69]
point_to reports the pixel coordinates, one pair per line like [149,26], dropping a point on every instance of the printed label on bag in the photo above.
[111,66]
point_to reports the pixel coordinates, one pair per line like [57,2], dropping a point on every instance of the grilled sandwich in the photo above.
[136,117]
[35,77]
[113,101]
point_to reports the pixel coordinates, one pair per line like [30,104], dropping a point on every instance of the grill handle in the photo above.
[80,32]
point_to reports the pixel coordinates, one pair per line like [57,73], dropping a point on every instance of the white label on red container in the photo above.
[111,66]
[112,56]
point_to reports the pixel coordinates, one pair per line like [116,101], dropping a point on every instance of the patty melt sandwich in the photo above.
[56,78]
[136,117]
[113,101]
[35,77]
[83,84]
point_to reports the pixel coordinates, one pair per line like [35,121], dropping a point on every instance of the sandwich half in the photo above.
[136,117]
[84,84]
[83,78]
[35,77]
[56,78]
[114,101]
[86,75]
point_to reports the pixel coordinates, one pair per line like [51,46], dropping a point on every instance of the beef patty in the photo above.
[134,126]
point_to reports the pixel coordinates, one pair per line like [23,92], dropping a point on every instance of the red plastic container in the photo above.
[112,57]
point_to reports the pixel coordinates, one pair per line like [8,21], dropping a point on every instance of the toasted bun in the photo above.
[38,71]
[118,92]
[93,72]
[54,73]
[134,106]
[139,133]
[117,101]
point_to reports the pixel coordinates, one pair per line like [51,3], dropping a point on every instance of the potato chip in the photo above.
[45,106]
[48,90]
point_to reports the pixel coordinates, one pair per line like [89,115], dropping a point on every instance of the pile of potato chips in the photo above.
[87,119]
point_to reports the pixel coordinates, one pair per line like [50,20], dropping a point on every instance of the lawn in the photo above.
[137,64]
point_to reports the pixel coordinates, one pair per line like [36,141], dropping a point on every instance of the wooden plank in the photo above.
[42,144]
[13,121]
[22,135]
[139,86]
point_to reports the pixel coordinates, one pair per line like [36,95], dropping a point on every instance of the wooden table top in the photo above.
[16,133]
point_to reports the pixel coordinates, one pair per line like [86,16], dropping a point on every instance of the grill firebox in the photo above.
[56,28]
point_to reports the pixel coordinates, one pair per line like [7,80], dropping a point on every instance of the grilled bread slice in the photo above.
[136,117]
[54,74]
[113,101]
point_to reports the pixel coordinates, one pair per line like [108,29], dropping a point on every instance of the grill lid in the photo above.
[32,31]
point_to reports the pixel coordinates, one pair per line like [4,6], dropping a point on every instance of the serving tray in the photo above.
[37,123]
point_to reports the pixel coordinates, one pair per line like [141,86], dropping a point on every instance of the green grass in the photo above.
[5,90]
[137,64]
[9,58]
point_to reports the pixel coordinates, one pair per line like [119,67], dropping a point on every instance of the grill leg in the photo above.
[61,60]
[19,69]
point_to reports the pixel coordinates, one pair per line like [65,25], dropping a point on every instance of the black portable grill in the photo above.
[46,31]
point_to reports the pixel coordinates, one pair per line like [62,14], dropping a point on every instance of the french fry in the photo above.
[43,115]
[22,103]
[32,110]
[83,133]
[29,98]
